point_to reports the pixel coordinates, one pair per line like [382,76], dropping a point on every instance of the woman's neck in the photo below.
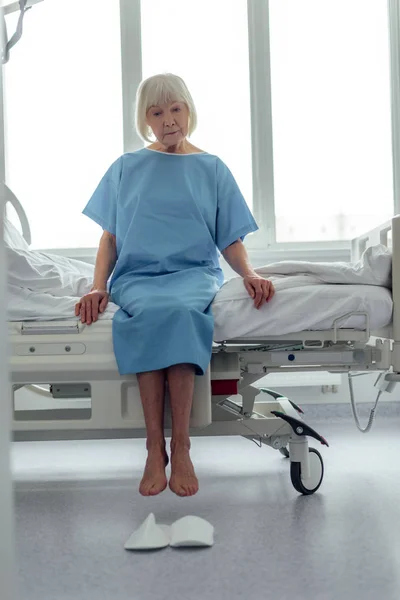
[183,147]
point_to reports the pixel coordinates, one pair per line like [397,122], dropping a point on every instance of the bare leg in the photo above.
[152,393]
[181,385]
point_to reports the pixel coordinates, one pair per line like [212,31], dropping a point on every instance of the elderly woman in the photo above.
[166,210]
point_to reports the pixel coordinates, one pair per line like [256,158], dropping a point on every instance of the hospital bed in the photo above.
[66,360]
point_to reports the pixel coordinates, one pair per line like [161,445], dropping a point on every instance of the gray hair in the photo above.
[162,89]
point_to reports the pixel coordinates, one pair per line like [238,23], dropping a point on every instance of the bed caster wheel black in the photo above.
[308,486]
[284,452]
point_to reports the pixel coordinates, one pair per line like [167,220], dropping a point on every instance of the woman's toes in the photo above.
[183,480]
[154,480]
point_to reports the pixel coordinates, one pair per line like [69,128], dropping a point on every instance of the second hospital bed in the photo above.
[336,318]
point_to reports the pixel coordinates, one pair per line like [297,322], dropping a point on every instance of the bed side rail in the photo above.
[387,234]
[380,235]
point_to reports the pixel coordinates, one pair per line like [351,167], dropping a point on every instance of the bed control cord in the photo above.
[354,407]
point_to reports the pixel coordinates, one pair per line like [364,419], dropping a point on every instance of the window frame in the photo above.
[394,40]
[131,69]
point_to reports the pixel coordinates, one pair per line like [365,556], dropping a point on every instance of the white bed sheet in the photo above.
[309,296]
[313,307]
[293,309]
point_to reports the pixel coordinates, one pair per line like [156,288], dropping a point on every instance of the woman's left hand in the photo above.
[259,288]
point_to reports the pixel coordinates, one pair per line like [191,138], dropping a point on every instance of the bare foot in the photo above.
[183,480]
[154,479]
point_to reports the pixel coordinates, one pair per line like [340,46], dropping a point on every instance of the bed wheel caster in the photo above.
[310,485]
[284,452]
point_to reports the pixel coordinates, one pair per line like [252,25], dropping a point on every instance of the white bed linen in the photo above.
[295,309]
[310,296]
[373,268]
[46,287]
[314,307]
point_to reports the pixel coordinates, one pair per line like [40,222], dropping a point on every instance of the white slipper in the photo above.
[186,532]
[149,536]
[191,531]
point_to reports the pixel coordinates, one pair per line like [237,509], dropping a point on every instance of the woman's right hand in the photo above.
[90,305]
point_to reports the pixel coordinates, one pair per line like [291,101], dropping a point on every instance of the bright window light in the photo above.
[330,72]
[63,105]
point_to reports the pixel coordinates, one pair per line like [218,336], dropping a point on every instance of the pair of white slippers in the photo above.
[186,532]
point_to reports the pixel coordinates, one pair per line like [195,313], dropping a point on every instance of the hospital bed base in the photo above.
[266,427]
[115,408]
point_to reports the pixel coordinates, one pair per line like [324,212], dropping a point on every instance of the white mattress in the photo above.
[294,309]
[308,296]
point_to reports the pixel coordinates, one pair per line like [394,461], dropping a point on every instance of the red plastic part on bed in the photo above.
[224,387]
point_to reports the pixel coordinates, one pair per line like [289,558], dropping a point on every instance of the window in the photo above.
[206,43]
[331,118]
[320,117]
[63,112]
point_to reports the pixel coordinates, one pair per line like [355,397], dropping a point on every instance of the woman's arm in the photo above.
[96,300]
[236,256]
[258,288]
[105,261]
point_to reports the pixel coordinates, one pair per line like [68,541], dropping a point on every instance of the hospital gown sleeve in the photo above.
[234,219]
[102,206]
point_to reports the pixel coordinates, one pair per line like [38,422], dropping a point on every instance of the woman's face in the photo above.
[169,122]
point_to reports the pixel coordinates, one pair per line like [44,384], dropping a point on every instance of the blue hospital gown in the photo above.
[170,213]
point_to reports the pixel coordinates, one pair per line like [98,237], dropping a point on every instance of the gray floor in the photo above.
[77,503]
